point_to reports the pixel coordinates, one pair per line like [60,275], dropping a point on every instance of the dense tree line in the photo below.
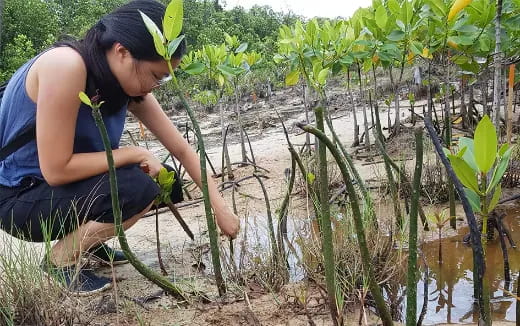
[29,26]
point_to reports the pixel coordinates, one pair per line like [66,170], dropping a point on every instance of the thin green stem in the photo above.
[156,278]
[212,226]
[326,228]
[375,289]
[411,288]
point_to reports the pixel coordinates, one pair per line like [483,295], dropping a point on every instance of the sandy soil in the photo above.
[140,300]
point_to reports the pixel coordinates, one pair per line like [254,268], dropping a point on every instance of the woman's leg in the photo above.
[68,249]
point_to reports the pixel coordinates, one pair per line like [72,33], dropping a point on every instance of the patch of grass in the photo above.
[27,295]
[349,269]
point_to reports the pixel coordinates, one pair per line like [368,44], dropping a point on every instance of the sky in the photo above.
[306,8]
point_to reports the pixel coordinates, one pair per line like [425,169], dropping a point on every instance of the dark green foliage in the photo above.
[29,26]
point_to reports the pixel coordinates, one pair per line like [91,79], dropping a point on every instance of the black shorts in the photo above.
[35,211]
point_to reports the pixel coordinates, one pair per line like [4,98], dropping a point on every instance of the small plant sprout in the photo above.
[165,181]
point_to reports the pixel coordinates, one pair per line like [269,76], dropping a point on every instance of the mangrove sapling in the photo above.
[158,243]
[165,181]
[391,181]
[447,139]
[368,212]
[282,228]
[375,289]
[251,151]
[355,142]
[225,157]
[497,63]
[481,168]
[305,89]
[439,219]
[277,259]
[365,119]
[172,25]
[511,92]
[212,227]
[411,286]
[325,223]
[403,177]
[478,254]
[503,246]
[283,210]
[159,280]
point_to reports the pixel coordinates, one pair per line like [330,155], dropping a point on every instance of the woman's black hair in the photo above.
[123,25]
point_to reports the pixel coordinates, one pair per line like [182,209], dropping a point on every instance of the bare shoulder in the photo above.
[62,61]
[60,71]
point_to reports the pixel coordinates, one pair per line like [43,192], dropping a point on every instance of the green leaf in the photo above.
[195,68]
[485,142]
[165,178]
[277,58]
[466,28]
[469,154]
[230,71]
[322,76]
[396,36]
[439,7]
[85,99]
[500,169]
[381,17]
[496,197]
[173,45]
[462,152]
[347,60]
[416,47]
[310,178]
[464,172]
[158,38]
[292,78]
[241,48]
[473,199]
[462,40]
[228,38]
[394,7]
[172,22]
[503,149]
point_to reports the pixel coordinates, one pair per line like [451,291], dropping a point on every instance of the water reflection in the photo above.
[450,287]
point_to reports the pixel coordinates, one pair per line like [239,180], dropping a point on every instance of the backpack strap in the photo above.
[25,136]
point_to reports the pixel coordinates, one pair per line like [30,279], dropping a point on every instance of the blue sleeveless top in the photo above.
[18,111]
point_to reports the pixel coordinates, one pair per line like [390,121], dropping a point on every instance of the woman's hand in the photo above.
[227,221]
[150,164]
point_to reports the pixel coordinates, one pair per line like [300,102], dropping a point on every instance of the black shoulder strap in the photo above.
[26,134]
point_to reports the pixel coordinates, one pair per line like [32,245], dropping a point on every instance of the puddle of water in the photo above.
[450,287]
[258,243]
[450,284]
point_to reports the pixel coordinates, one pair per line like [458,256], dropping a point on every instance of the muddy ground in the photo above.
[141,303]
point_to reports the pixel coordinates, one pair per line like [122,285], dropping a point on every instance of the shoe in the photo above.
[80,282]
[107,255]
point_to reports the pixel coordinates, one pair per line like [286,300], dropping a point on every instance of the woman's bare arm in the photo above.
[59,75]
[153,117]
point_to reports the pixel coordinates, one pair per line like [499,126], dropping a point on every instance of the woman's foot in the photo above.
[79,281]
[107,255]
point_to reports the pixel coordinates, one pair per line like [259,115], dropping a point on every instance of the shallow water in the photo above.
[450,287]
[450,284]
